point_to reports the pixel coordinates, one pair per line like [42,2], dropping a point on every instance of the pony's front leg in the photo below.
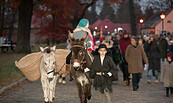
[45,88]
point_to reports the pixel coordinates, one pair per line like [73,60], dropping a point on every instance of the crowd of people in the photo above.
[132,54]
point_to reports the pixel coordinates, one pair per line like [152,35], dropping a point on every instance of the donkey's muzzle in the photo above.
[76,68]
[76,64]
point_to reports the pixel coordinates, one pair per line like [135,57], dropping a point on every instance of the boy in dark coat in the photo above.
[103,71]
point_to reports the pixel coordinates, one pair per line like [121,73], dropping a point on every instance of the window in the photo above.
[169,21]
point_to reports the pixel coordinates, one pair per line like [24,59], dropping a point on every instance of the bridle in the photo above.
[83,61]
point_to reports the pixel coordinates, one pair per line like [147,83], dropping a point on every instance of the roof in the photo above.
[155,19]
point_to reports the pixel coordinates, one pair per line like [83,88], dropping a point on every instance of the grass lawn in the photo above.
[8,71]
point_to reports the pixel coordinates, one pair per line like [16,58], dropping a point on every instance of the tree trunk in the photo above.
[171,4]
[77,16]
[2,20]
[24,26]
[132,17]
[11,27]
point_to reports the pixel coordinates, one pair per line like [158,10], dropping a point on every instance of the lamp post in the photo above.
[141,21]
[162,16]
[106,28]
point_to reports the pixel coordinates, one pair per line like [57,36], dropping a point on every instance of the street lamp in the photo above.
[95,28]
[141,21]
[106,26]
[162,16]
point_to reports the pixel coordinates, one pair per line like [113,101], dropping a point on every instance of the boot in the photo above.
[127,82]
[171,88]
[167,91]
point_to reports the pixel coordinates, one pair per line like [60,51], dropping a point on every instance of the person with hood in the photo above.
[167,71]
[124,42]
[134,56]
[103,71]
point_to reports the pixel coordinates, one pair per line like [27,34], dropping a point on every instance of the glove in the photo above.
[86,70]
[109,73]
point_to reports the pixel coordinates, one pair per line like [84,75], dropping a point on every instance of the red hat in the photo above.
[169,55]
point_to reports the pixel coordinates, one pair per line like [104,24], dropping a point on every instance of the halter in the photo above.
[52,71]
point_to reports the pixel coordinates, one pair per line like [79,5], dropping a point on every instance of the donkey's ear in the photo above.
[53,48]
[70,35]
[84,37]
[42,49]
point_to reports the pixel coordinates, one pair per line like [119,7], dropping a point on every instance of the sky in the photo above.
[142,3]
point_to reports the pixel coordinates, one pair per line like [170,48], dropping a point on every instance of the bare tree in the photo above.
[132,17]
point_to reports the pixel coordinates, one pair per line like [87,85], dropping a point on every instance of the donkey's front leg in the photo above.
[52,85]
[45,88]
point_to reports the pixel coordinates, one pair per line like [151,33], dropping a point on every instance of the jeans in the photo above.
[150,72]
[135,80]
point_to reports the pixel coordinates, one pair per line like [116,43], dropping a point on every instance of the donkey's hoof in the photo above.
[89,97]
[53,98]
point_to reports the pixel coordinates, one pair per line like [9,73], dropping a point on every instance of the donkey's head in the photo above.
[48,60]
[78,51]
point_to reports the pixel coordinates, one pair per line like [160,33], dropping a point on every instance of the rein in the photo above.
[55,73]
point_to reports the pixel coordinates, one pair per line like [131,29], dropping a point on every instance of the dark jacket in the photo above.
[103,81]
[154,55]
[164,45]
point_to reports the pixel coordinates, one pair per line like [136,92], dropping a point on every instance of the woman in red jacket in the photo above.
[124,42]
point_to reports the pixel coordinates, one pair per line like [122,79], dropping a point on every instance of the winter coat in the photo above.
[167,75]
[104,81]
[154,55]
[134,57]
[164,45]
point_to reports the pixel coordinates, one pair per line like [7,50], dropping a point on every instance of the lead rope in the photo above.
[59,70]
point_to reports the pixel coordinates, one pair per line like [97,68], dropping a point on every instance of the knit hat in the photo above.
[83,22]
[102,46]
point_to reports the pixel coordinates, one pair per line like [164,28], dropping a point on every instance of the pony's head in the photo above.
[78,51]
[48,60]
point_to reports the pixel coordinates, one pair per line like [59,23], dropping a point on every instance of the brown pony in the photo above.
[79,61]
